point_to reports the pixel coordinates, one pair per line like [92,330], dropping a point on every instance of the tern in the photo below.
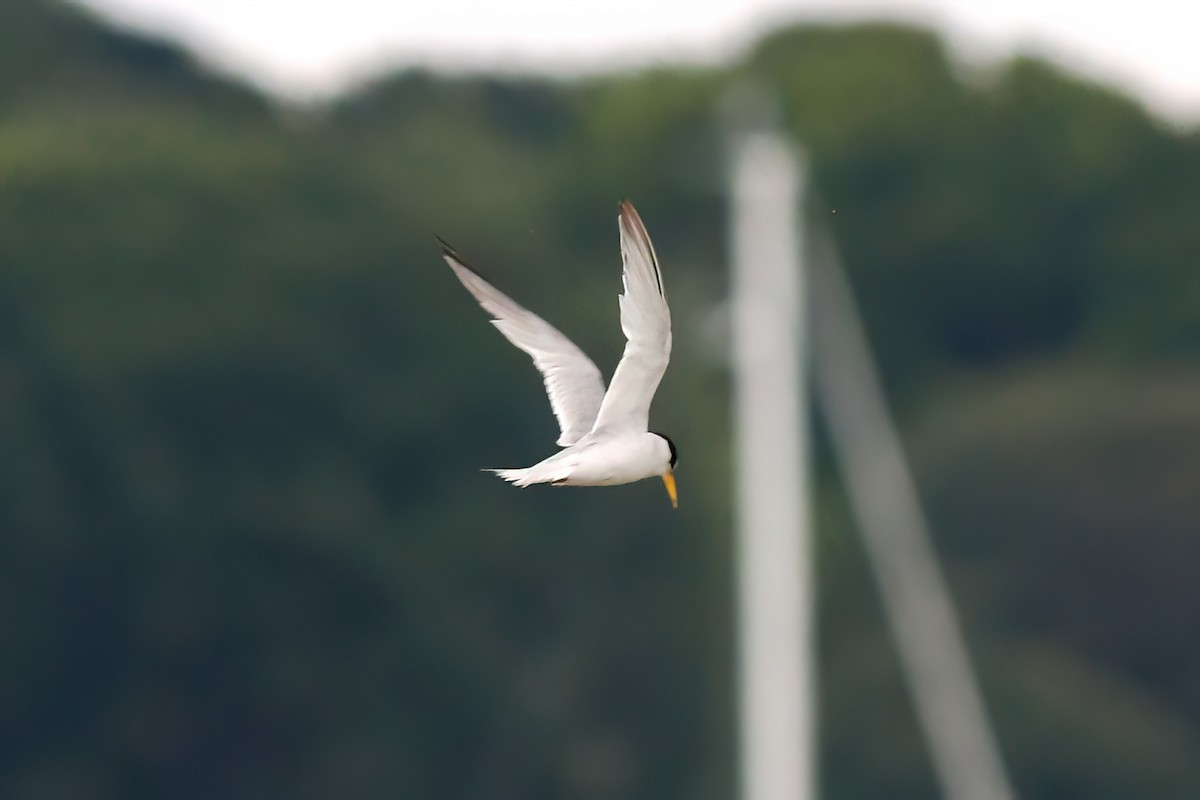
[605,435]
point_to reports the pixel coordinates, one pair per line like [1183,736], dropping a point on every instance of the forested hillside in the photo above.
[245,548]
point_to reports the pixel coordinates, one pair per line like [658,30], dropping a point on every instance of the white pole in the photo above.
[884,501]
[775,586]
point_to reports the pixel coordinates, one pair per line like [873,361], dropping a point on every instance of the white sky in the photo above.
[305,48]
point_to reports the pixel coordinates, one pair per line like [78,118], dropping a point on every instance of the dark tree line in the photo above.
[245,551]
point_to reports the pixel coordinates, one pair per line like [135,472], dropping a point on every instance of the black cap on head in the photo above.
[670,444]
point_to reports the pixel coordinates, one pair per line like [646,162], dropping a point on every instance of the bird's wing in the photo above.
[573,382]
[646,321]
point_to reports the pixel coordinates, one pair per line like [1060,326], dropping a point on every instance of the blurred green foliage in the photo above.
[244,548]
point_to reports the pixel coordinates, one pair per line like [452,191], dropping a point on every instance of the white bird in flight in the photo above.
[605,435]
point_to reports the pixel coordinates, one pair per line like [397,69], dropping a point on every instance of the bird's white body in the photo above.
[604,432]
[599,460]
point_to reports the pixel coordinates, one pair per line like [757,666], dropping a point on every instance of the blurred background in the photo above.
[245,548]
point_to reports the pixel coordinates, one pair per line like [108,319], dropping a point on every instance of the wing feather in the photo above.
[646,322]
[573,382]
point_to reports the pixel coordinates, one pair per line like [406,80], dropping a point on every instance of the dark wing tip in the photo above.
[625,209]
[452,255]
[629,216]
[447,248]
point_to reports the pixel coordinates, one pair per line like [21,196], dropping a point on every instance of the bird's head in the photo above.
[668,473]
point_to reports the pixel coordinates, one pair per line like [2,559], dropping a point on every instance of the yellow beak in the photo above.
[669,482]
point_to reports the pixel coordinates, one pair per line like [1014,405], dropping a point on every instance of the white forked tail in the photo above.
[513,476]
[538,473]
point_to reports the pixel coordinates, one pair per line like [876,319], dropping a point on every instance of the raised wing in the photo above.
[646,321]
[573,382]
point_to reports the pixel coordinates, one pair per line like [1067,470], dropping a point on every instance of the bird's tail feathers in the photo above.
[531,475]
[513,476]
